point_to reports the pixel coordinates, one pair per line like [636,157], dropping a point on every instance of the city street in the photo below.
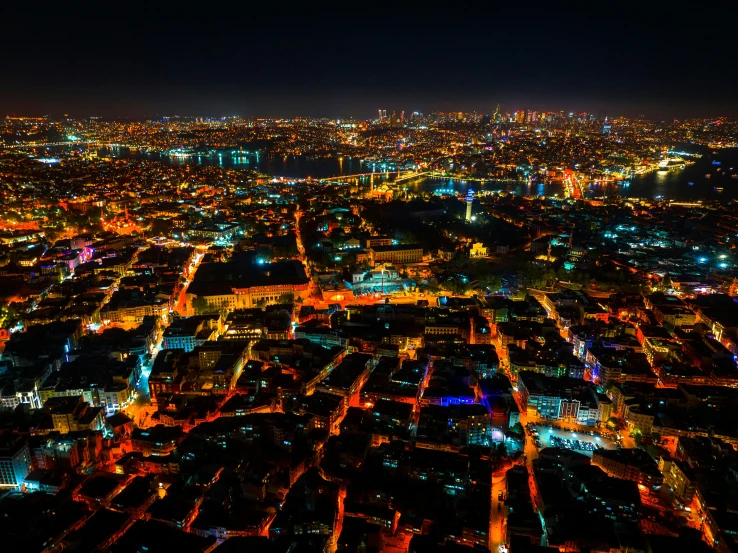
[141,409]
[498,516]
[298,238]
[180,307]
[406,289]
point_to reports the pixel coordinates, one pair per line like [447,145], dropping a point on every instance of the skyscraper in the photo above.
[497,116]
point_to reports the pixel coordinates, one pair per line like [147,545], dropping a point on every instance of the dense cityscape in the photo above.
[512,331]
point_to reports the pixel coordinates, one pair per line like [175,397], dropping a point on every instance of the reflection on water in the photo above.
[295,167]
[462,186]
[660,184]
[692,182]
[302,167]
[689,183]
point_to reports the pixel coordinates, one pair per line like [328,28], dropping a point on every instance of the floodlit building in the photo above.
[15,462]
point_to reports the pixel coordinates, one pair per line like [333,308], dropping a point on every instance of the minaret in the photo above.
[469,202]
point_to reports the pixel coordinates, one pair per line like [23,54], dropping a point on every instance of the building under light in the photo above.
[469,202]
[15,462]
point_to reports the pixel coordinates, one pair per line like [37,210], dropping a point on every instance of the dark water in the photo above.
[461,186]
[297,167]
[672,184]
[676,183]
[293,167]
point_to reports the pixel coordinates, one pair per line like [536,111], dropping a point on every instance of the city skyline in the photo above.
[500,113]
[648,62]
[368,280]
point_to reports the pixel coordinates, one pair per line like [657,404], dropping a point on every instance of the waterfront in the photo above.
[300,167]
[293,167]
[216,247]
[690,183]
[461,186]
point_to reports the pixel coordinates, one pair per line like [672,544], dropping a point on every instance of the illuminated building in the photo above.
[567,399]
[165,373]
[478,250]
[127,307]
[157,440]
[72,413]
[462,424]
[410,253]
[348,377]
[469,202]
[497,116]
[238,284]
[216,233]
[629,464]
[60,452]
[15,462]
[679,477]
[327,410]
[190,332]
[378,241]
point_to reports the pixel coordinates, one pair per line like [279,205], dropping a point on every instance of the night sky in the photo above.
[121,60]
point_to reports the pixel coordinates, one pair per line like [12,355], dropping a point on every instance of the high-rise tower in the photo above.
[469,202]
